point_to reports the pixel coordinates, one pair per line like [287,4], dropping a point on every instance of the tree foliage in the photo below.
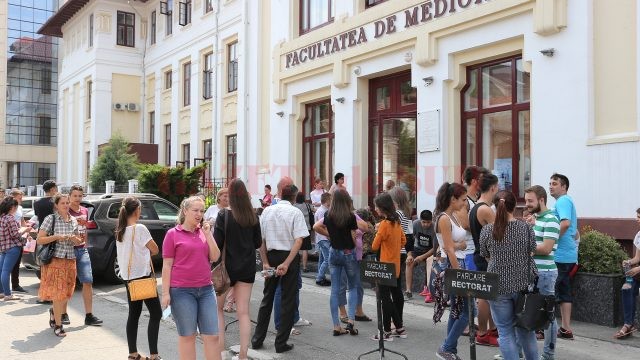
[114,163]
[600,253]
[170,183]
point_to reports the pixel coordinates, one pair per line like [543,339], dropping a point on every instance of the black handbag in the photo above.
[45,252]
[534,311]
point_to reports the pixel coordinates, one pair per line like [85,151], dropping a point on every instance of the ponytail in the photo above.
[505,203]
[128,207]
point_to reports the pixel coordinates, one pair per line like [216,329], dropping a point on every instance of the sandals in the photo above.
[626,331]
[340,332]
[139,357]
[295,331]
[344,319]
[362,318]
[352,331]
[58,331]
[52,320]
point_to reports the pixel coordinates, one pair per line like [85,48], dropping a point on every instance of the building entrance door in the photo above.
[392,134]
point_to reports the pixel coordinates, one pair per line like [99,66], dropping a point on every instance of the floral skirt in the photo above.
[57,280]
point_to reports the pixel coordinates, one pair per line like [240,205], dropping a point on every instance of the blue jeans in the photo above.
[628,302]
[277,303]
[342,297]
[323,247]
[512,338]
[7,261]
[338,261]
[547,285]
[83,265]
[194,309]
[455,327]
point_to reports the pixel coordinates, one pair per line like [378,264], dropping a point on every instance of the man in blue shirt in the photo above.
[566,256]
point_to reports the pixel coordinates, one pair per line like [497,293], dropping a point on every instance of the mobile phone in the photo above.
[166,313]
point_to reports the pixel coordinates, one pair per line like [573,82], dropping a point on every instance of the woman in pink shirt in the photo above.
[187,251]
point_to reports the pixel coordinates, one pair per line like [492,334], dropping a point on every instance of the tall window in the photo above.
[207,76]
[168,79]
[46,80]
[496,122]
[167,144]
[126,29]
[91,30]
[208,6]
[207,150]
[232,67]
[152,127]
[44,130]
[318,150]
[88,90]
[185,12]
[186,153]
[370,3]
[186,84]
[168,19]
[315,14]
[154,26]
[232,156]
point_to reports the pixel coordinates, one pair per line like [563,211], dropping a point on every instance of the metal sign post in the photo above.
[471,284]
[379,273]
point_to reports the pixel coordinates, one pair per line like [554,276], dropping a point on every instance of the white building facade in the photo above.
[169,76]
[414,91]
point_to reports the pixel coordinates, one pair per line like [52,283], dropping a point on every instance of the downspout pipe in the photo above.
[216,97]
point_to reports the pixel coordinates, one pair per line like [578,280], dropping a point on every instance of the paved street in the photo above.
[26,335]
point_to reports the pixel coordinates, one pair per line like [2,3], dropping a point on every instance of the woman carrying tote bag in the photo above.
[135,246]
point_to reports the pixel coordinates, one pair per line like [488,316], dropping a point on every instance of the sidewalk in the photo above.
[581,329]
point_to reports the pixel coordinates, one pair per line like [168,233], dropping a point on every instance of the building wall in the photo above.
[27,150]
[579,125]
[137,75]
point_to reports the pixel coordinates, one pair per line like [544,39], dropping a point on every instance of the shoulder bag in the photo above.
[44,254]
[219,276]
[534,311]
[145,288]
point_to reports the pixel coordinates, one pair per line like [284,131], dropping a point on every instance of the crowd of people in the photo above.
[473,226]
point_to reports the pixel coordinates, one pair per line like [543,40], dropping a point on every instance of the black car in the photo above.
[158,215]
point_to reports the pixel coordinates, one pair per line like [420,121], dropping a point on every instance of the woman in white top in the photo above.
[135,247]
[452,239]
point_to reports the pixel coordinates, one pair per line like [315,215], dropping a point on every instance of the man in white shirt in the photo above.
[283,228]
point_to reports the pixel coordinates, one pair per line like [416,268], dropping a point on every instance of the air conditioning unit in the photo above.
[133,107]
[118,106]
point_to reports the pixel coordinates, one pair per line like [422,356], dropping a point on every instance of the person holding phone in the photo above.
[187,251]
[135,246]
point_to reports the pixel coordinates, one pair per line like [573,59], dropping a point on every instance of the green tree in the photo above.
[114,163]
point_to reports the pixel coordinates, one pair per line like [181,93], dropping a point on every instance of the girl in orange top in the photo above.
[389,240]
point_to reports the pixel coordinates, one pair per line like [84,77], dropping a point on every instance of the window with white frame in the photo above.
[207,76]
[315,14]
[232,67]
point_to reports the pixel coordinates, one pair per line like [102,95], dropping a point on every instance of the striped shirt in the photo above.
[407,227]
[547,227]
[64,248]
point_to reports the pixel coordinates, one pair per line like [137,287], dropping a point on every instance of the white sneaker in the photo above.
[302,322]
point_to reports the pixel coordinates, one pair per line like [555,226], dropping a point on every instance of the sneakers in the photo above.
[565,334]
[386,336]
[546,357]
[65,319]
[92,320]
[444,355]
[487,340]
[323,282]
[302,322]
[19,289]
[428,299]
[408,295]
[399,333]
[425,291]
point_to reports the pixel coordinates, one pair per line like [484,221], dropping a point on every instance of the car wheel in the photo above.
[112,273]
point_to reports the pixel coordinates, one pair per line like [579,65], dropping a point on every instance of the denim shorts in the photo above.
[194,309]
[83,266]
[563,283]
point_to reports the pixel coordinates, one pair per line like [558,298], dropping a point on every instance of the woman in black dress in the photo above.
[240,226]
